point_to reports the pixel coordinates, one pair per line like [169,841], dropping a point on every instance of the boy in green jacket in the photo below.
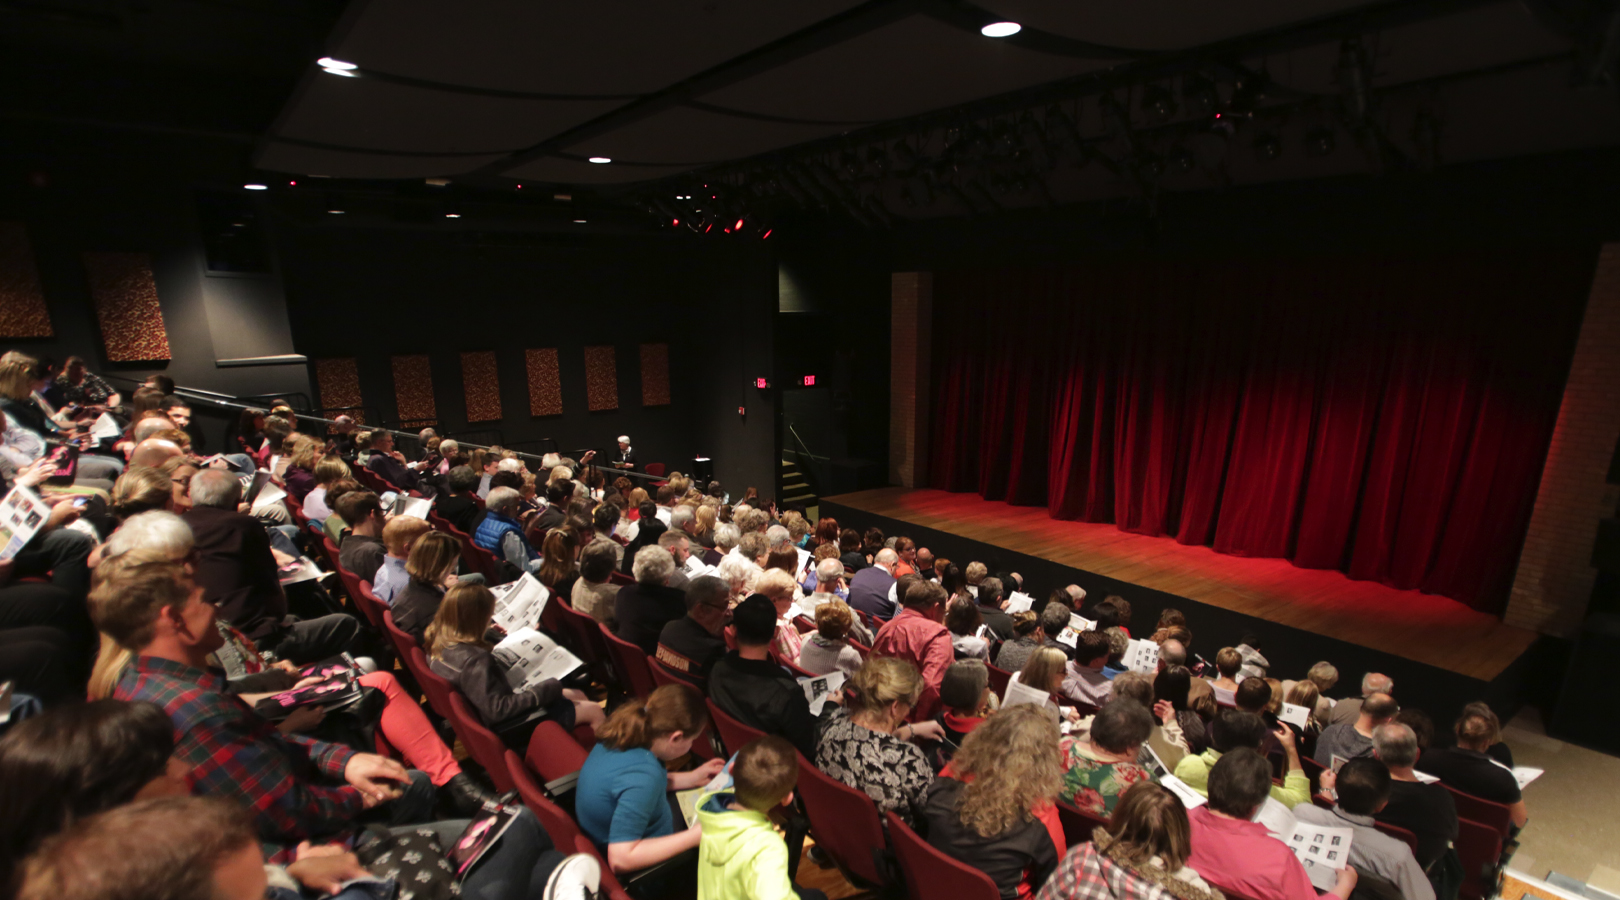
[741,855]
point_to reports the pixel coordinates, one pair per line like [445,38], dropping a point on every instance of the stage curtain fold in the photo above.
[1387,417]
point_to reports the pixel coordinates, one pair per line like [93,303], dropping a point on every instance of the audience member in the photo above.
[643,609]
[1228,661]
[1102,766]
[1346,711]
[594,593]
[362,550]
[1349,740]
[1044,670]
[1238,855]
[1426,810]
[692,644]
[1027,638]
[779,586]
[992,602]
[431,566]
[870,588]
[1142,853]
[916,636]
[964,622]
[747,686]
[1174,686]
[827,648]
[620,799]
[869,746]
[741,855]
[1467,767]
[1085,680]
[502,534]
[398,536]
[1363,790]
[459,505]
[1323,676]
[1235,728]
[992,807]
[965,702]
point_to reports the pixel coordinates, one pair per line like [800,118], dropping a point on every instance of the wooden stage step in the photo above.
[1424,628]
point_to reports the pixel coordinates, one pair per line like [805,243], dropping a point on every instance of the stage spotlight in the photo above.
[600,160]
[1001,29]
[338,67]
[1320,141]
[255,187]
[1267,147]
[1157,103]
[737,226]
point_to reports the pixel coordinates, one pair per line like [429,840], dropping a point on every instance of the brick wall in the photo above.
[911,297]
[1555,576]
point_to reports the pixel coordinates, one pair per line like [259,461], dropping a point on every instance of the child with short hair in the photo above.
[398,536]
[741,855]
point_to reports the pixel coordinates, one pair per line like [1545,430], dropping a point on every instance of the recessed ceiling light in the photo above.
[334,212]
[1001,29]
[327,62]
[600,160]
[452,215]
[579,221]
[255,187]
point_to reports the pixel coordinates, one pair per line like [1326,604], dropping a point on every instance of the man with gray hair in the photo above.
[644,608]
[726,537]
[239,575]
[692,643]
[1349,710]
[501,533]
[829,579]
[1172,653]
[1426,810]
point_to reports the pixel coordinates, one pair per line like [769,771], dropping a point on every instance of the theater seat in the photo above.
[733,733]
[845,824]
[630,664]
[484,745]
[653,469]
[931,874]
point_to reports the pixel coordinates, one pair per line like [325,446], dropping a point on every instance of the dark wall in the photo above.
[373,293]
[74,196]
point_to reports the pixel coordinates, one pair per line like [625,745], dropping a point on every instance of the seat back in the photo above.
[631,665]
[733,734]
[617,577]
[370,607]
[663,675]
[553,818]
[482,743]
[797,670]
[436,687]
[653,469]
[403,643]
[999,679]
[1077,824]
[1479,848]
[1496,815]
[1313,772]
[930,873]
[582,633]
[553,753]
[845,824]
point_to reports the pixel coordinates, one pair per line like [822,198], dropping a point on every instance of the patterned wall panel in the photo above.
[482,386]
[338,382]
[654,374]
[545,382]
[413,391]
[601,379]
[126,304]
[22,300]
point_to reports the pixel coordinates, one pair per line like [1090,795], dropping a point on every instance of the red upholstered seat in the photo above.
[931,874]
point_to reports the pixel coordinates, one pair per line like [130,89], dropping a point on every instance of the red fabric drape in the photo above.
[1387,417]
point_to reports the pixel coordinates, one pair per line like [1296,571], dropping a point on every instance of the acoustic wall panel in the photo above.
[22,300]
[545,383]
[337,381]
[482,386]
[654,374]
[601,379]
[126,303]
[413,391]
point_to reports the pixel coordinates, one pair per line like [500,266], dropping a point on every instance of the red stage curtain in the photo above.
[1386,417]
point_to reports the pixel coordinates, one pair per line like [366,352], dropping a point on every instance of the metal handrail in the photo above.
[805,446]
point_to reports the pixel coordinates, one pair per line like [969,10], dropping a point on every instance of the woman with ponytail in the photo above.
[621,802]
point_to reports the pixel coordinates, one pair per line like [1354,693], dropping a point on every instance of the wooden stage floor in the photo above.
[1424,628]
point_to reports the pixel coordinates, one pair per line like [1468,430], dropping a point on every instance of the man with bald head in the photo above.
[1172,653]
[155,452]
[1349,709]
[1350,740]
[869,589]
[238,574]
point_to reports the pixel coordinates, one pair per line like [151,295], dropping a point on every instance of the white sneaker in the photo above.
[576,878]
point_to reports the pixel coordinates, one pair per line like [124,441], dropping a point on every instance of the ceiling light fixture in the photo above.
[338,67]
[452,215]
[579,221]
[255,187]
[1001,29]
[334,212]
[600,160]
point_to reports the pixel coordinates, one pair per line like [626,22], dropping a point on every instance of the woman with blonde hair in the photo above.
[1044,670]
[993,806]
[868,747]
[637,497]
[1142,853]
[457,651]
[560,569]
[432,570]
[302,456]
[139,489]
[703,525]
[328,470]
[620,802]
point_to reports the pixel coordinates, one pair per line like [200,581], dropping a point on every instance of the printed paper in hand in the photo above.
[415,507]
[1142,656]
[688,799]
[268,495]
[1224,697]
[695,567]
[1425,777]
[530,658]
[1296,715]
[1321,846]
[105,427]
[1149,760]
[301,569]
[1189,797]
[1526,774]
[1018,692]
[518,604]
[816,690]
[1019,602]
[22,514]
[1077,624]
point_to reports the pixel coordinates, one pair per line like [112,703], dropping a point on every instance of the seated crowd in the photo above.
[168,600]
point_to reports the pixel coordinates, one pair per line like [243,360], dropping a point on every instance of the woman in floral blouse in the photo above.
[869,747]
[1102,766]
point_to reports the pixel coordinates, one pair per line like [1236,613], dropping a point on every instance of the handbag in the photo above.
[412,858]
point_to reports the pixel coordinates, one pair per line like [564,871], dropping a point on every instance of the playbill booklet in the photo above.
[518,604]
[22,514]
[530,658]
[339,687]
[818,688]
